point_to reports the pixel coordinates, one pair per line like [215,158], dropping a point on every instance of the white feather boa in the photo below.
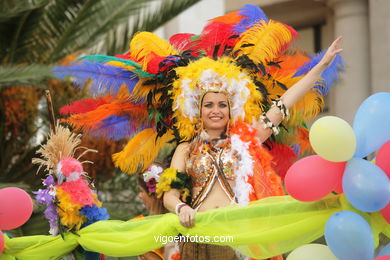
[242,168]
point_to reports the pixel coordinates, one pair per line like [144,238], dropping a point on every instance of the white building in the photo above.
[364,25]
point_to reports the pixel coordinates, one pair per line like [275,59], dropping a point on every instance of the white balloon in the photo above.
[310,252]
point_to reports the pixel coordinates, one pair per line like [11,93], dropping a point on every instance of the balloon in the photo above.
[15,207]
[349,236]
[1,242]
[372,124]
[365,185]
[383,158]
[333,139]
[385,251]
[312,178]
[383,257]
[386,213]
[312,251]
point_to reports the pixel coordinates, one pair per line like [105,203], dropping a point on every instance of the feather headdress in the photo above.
[243,54]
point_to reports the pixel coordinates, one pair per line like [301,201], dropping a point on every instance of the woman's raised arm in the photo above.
[298,90]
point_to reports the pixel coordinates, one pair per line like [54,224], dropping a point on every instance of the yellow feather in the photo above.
[268,39]
[140,151]
[144,45]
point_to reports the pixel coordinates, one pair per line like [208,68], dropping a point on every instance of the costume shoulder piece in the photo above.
[151,94]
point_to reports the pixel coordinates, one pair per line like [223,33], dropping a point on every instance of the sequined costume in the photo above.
[208,163]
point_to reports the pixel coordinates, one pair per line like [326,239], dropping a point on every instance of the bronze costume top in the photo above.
[208,162]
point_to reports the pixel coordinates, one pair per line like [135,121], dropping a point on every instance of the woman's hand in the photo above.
[334,48]
[187,216]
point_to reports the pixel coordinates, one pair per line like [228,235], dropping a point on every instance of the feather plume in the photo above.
[251,15]
[289,63]
[181,41]
[264,41]
[105,59]
[229,18]
[145,45]
[105,78]
[330,76]
[61,144]
[84,105]
[94,119]
[118,127]
[140,151]
[214,38]
[283,158]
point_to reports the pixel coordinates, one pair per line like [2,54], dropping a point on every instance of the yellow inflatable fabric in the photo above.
[263,229]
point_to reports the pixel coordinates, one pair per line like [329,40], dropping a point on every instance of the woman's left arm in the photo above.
[298,90]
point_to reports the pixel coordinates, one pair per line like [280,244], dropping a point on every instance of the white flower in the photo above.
[153,172]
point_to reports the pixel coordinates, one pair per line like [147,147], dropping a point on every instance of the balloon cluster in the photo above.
[15,209]
[340,166]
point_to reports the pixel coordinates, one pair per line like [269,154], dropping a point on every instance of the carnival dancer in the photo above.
[215,157]
[219,95]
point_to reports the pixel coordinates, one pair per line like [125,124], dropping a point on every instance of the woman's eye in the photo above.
[222,105]
[208,105]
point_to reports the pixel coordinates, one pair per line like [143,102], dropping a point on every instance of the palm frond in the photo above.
[14,9]
[21,75]
[149,19]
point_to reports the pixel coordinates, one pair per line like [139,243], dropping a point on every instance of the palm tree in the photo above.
[37,34]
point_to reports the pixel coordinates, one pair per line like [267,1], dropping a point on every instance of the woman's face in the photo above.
[215,111]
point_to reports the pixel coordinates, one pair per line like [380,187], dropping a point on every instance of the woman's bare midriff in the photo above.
[217,198]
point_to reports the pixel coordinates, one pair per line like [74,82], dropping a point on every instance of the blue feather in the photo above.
[330,76]
[105,78]
[118,127]
[93,214]
[253,14]
[296,148]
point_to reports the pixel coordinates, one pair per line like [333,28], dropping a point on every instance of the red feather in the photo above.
[84,105]
[125,56]
[216,33]
[283,158]
[182,41]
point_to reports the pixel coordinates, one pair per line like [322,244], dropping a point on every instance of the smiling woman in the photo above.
[215,113]
[225,166]
[217,97]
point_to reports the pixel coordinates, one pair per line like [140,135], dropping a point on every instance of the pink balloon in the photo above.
[15,207]
[1,242]
[339,185]
[383,257]
[386,213]
[312,178]
[383,158]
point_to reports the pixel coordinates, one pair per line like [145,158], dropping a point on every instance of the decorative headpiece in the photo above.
[71,202]
[152,93]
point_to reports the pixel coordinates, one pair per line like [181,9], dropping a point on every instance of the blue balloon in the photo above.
[372,124]
[385,250]
[349,236]
[365,185]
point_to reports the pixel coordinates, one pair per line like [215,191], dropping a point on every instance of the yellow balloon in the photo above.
[312,251]
[333,139]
